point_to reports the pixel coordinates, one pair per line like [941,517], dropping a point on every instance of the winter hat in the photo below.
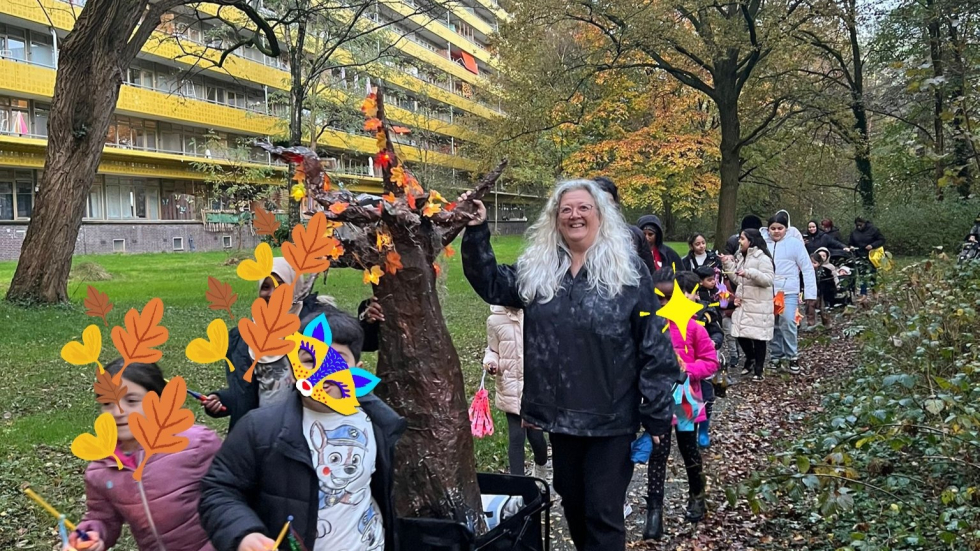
[751,222]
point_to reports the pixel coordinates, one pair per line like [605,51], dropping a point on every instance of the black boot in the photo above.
[654,529]
[696,508]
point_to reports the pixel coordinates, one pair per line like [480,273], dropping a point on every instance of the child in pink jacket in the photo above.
[699,360]
[161,510]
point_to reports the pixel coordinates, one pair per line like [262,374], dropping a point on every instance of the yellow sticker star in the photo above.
[644,314]
[680,310]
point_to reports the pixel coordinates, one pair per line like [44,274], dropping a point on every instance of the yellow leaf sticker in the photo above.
[212,349]
[87,351]
[102,445]
[373,275]
[258,269]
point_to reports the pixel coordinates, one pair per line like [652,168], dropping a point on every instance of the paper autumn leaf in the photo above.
[450,251]
[258,269]
[299,175]
[383,240]
[381,141]
[272,323]
[307,252]
[102,445]
[163,418]
[393,262]
[372,124]
[435,196]
[449,207]
[370,106]
[400,130]
[109,389]
[336,249]
[398,176]
[143,332]
[410,197]
[214,348]
[383,159]
[87,351]
[373,275]
[431,208]
[388,197]
[98,304]
[330,227]
[220,296]
[298,192]
[265,222]
[326,182]
[338,208]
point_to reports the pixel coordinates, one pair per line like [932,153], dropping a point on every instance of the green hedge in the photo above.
[915,228]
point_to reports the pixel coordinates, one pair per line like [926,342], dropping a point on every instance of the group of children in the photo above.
[286,457]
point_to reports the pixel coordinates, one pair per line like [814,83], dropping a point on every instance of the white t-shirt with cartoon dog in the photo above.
[344,454]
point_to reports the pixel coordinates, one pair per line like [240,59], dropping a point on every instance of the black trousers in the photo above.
[592,475]
[755,352]
[687,443]
[515,447]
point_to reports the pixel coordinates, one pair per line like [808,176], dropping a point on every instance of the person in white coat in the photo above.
[751,270]
[504,359]
[791,259]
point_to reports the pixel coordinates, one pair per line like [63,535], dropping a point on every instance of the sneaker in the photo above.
[793,367]
[627,510]
[746,371]
[757,378]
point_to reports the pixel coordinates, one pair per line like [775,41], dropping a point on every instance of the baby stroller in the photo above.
[847,276]
[970,251]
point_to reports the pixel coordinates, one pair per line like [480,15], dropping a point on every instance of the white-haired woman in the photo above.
[593,347]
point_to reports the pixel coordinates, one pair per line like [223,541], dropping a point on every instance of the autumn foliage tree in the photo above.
[396,245]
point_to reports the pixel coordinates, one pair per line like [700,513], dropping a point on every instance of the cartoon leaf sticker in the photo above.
[338,208]
[220,296]
[212,349]
[373,275]
[258,269]
[272,323]
[87,351]
[98,304]
[265,222]
[143,332]
[309,247]
[163,418]
[109,389]
[393,262]
[102,445]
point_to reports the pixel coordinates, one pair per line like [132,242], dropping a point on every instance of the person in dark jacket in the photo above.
[593,348]
[639,240]
[974,234]
[815,238]
[663,255]
[269,468]
[864,239]
[750,222]
[698,255]
[828,227]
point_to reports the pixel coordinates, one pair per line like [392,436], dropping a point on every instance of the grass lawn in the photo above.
[45,402]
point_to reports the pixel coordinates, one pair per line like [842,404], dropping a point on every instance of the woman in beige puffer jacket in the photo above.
[753,272]
[504,358]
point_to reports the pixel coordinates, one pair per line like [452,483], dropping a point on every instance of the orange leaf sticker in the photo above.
[431,208]
[109,389]
[393,262]
[372,124]
[162,420]
[143,332]
[450,251]
[389,197]
[381,141]
[220,296]
[265,222]
[338,208]
[306,252]
[272,323]
[373,275]
[400,130]
[98,304]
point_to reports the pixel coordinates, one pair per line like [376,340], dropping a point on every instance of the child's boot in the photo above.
[654,529]
[697,507]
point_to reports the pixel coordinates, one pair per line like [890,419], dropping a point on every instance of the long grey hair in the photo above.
[608,262]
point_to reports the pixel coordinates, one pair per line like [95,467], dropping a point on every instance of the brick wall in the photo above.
[98,238]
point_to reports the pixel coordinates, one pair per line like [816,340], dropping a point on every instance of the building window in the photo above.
[178,243]
[25,199]
[178,201]
[15,116]
[41,115]
[94,208]
[6,201]
[226,241]
[12,43]
[118,245]
[128,199]
[16,194]
[42,49]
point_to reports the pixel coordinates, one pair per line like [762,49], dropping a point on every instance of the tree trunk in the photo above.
[436,470]
[91,66]
[297,99]
[862,148]
[962,144]
[731,165]
[936,56]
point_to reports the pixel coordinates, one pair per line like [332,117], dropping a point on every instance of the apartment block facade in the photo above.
[150,193]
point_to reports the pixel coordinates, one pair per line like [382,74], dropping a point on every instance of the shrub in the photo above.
[914,228]
[89,271]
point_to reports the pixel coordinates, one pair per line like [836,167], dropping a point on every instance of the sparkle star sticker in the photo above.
[679,309]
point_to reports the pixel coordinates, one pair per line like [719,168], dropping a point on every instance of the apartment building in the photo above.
[150,193]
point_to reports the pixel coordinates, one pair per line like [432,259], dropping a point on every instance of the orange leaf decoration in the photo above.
[143,332]
[309,246]
[437,269]
[326,183]
[449,207]
[370,106]
[265,222]
[336,248]
[450,251]
[389,197]
[98,304]
[163,418]
[398,176]
[373,275]
[273,323]
[109,389]
[436,196]
[331,226]
[400,130]
[383,240]
[393,262]
[383,159]
[299,175]
[372,124]
[221,296]
[410,197]
[431,208]
[381,141]
[338,208]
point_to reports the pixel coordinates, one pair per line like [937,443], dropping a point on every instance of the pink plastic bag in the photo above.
[481,423]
